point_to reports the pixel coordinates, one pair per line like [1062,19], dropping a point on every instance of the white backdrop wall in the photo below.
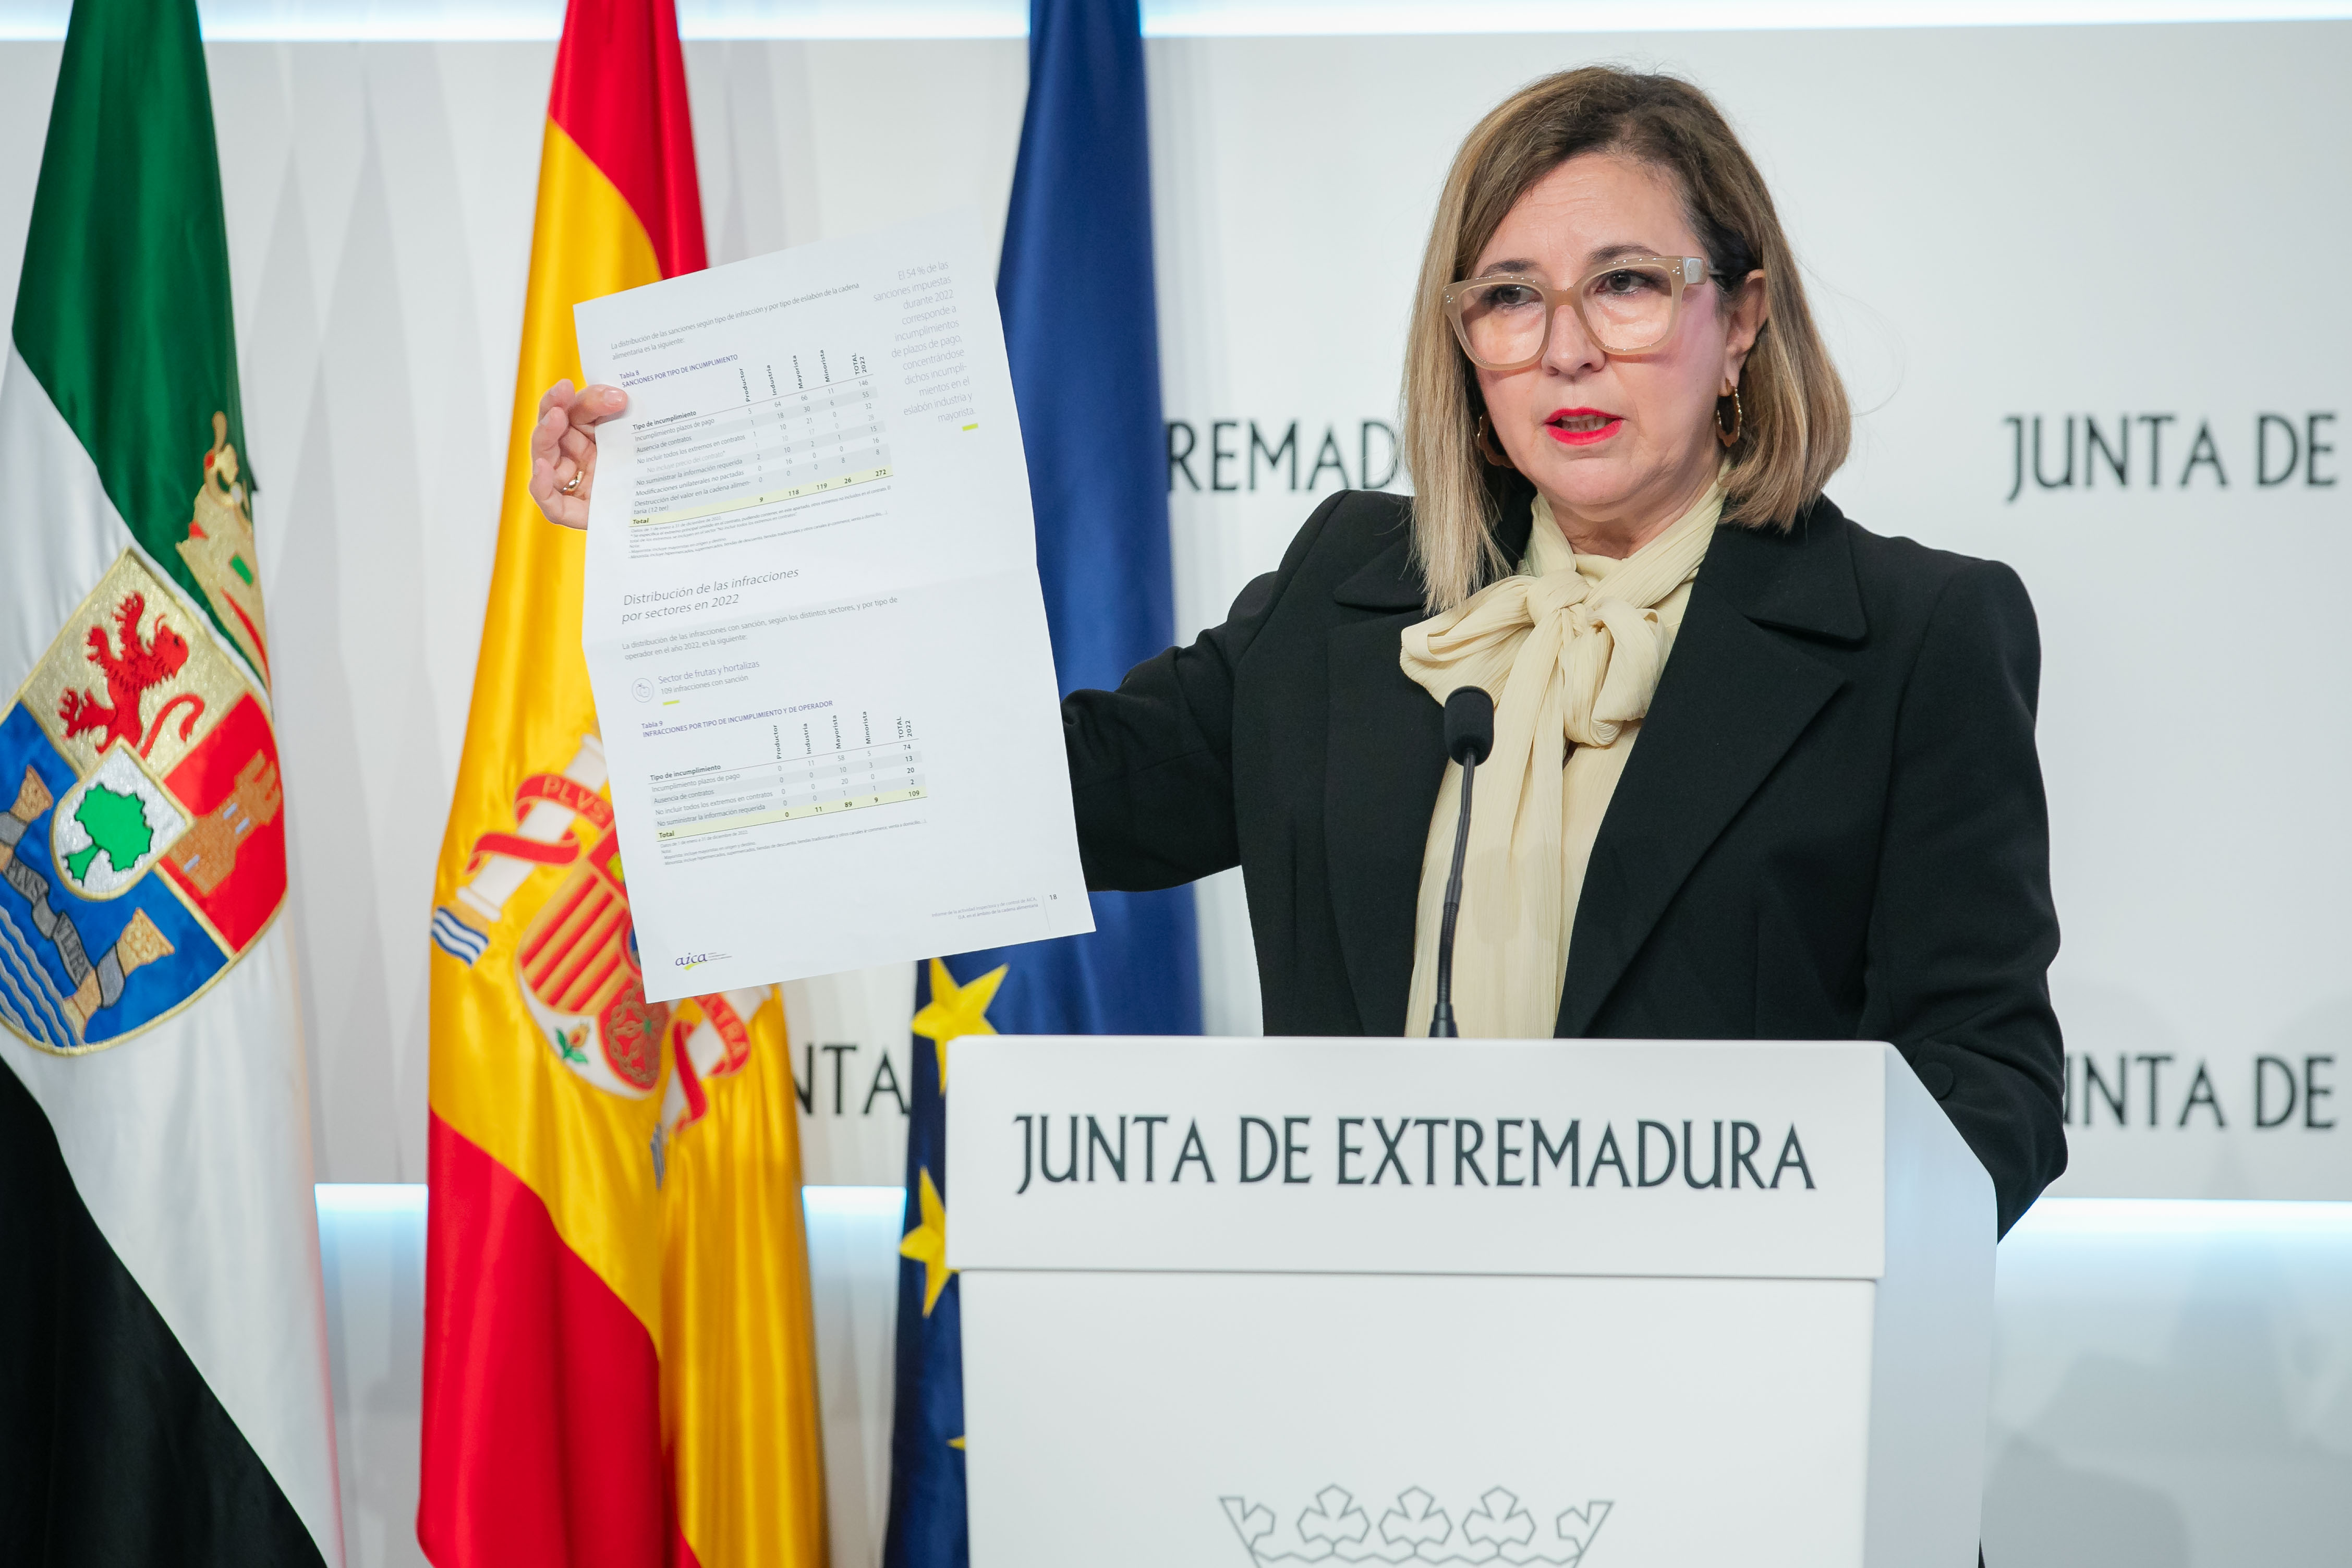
[2063,230]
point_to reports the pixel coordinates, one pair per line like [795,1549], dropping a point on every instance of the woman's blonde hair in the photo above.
[1795,424]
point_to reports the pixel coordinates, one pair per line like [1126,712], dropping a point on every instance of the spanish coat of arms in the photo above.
[575,956]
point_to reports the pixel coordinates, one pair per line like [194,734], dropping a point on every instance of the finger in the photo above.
[557,464]
[595,405]
[578,449]
[572,506]
[547,434]
[557,396]
[565,511]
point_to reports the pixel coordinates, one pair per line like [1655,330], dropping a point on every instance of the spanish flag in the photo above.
[619,1366]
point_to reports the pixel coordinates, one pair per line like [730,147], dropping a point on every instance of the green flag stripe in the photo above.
[123,313]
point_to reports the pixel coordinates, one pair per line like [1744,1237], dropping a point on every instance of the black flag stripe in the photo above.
[113,1450]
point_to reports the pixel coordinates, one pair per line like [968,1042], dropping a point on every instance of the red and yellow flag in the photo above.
[619,1364]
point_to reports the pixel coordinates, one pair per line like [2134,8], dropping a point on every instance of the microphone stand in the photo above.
[1441,1021]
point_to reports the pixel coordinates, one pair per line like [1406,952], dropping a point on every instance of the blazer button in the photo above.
[1937,1077]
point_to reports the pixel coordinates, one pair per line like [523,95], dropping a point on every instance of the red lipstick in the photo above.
[1582,426]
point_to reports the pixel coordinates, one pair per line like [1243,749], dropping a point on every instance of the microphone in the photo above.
[1469,737]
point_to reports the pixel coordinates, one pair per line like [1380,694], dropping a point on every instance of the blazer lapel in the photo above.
[1734,698]
[1385,759]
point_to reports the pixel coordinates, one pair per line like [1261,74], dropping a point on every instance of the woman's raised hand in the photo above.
[563,448]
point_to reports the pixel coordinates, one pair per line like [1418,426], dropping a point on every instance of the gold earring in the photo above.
[1729,437]
[1487,446]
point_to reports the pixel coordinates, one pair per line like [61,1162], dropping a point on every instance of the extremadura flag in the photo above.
[162,1348]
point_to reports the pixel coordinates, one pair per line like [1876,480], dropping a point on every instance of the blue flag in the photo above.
[927,1511]
[1081,330]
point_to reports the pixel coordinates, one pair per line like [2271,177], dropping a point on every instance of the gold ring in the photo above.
[573,488]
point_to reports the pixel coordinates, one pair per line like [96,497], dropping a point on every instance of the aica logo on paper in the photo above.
[696,960]
[1335,1528]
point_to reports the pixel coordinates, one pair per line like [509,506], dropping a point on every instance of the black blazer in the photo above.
[1832,827]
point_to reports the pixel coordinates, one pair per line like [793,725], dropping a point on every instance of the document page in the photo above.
[813,620]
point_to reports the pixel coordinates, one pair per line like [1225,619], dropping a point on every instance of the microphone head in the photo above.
[1469,725]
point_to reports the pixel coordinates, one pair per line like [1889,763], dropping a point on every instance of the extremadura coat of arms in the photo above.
[143,848]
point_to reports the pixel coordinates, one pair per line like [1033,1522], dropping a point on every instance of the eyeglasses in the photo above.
[1629,305]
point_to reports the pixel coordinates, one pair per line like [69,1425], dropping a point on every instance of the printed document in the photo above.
[813,620]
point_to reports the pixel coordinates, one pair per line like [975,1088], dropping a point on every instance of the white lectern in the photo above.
[1317,1300]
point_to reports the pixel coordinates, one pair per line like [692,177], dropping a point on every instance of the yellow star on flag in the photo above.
[956,1010]
[928,1242]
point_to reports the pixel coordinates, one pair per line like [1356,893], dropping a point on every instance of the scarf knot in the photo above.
[1571,650]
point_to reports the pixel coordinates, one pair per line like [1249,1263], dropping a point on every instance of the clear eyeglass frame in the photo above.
[1680,272]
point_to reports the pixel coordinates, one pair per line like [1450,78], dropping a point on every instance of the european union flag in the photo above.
[927,1510]
[1082,333]
[1081,330]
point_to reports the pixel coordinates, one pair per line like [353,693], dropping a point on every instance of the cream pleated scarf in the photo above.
[1570,650]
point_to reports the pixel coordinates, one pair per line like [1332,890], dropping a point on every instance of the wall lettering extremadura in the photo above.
[1214,455]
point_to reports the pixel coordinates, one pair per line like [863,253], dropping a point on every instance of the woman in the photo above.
[1757,772]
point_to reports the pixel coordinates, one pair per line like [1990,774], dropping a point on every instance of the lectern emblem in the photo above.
[1335,1529]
